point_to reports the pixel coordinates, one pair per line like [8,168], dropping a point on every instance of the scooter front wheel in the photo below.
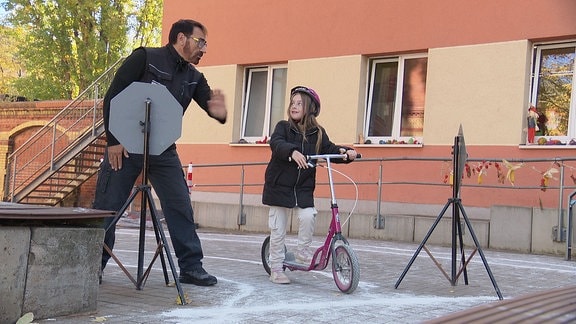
[345,268]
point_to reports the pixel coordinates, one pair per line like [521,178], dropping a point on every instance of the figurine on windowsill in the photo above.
[532,123]
[263,141]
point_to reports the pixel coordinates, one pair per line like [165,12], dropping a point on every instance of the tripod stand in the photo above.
[457,240]
[147,201]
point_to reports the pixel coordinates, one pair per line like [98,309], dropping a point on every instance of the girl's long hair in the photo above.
[308,121]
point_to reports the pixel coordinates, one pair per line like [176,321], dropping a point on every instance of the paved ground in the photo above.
[245,295]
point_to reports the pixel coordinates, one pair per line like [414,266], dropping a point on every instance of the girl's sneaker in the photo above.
[278,277]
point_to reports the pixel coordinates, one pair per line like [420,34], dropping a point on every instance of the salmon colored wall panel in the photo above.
[486,43]
[260,31]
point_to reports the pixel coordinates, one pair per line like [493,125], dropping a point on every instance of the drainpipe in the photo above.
[559,236]
[379,221]
[242,215]
[571,203]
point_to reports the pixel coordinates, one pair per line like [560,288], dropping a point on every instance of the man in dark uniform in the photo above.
[172,66]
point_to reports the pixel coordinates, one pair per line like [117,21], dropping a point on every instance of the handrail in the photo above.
[381,183]
[78,118]
[64,110]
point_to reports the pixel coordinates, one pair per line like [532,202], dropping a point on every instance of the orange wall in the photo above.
[264,31]
[242,32]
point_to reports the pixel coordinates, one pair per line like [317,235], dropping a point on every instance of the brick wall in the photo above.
[18,122]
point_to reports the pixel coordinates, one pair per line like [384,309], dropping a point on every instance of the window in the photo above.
[264,101]
[395,107]
[553,90]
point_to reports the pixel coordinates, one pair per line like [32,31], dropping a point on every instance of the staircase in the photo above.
[63,154]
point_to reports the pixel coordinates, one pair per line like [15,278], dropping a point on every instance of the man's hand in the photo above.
[217,106]
[115,154]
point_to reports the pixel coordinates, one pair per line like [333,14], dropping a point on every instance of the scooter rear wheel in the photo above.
[265,254]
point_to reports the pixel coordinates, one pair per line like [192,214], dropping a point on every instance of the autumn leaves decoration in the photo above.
[505,171]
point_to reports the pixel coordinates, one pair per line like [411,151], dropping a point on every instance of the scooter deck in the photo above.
[293,265]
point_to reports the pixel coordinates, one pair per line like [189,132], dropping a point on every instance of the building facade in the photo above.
[390,72]
[396,79]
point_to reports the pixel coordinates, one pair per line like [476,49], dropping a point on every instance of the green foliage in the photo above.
[10,67]
[67,44]
[146,22]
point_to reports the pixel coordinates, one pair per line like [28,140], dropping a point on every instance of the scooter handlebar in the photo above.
[330,156]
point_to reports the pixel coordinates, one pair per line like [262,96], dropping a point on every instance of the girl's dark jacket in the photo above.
[286,185]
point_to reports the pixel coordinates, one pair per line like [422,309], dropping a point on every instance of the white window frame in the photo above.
[395,135]
[537,55]
[268,125]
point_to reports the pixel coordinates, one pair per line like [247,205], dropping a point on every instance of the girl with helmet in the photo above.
[290,182]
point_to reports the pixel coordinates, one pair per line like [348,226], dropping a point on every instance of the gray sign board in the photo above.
[128,114]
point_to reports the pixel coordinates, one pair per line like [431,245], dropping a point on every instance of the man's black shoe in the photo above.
[198,277]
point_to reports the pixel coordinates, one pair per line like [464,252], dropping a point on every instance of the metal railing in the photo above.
[81,117]
[563,234]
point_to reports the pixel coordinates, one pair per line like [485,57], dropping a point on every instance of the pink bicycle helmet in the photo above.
[311,93]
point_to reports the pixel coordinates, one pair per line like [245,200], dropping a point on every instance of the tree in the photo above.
[145,23]
[69,43]
[10,67]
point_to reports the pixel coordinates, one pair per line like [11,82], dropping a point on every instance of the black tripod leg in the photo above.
[462,255]
[122,267]
[155,223]
[114,221]
[158,251]
[469,225]
[123,209]
[143,276]
[423,243]
[142,237]
[167,250]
